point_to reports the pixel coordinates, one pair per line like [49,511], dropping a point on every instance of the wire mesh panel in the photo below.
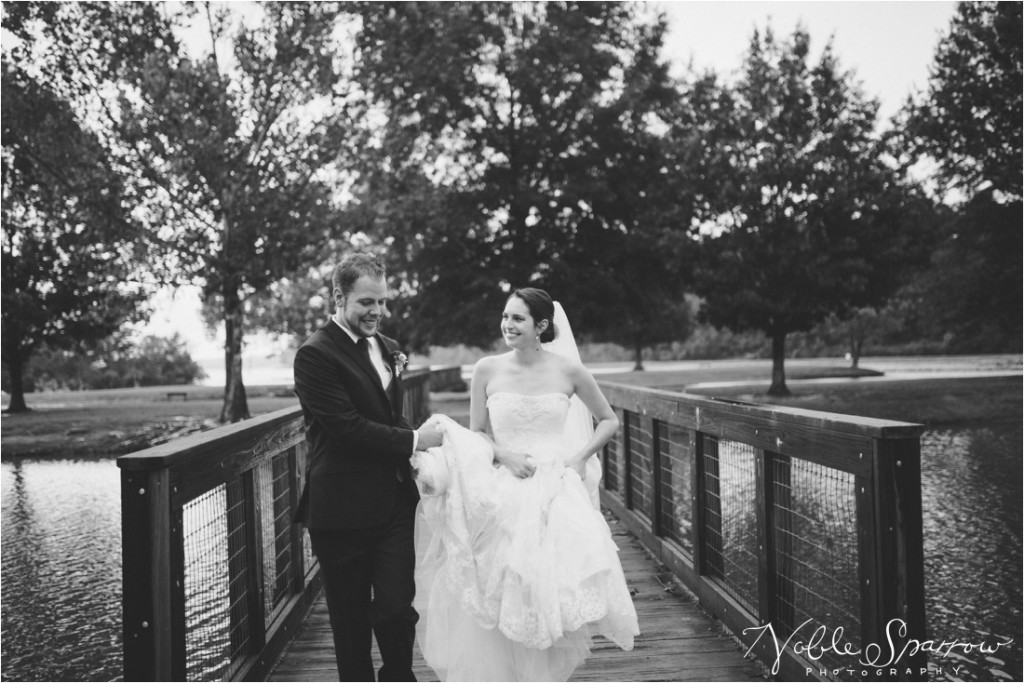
[276,517]
[640,440]
[730,513]
[676,462]
[815,538]
[207,606]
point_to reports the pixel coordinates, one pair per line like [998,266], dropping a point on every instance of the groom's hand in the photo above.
[428,436]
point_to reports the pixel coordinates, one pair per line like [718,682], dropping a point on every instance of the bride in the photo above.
[516,567]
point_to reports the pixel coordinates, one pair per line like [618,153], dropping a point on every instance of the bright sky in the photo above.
[888,45]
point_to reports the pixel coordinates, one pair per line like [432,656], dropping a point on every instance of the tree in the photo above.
[233,156]
[513,153]
[250,152]
[296,307]
[113,362]
[70,245]
[809,220]
[154,361]
[856,329]
[969,122]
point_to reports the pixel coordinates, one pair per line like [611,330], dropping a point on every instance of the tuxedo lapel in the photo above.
[341,338]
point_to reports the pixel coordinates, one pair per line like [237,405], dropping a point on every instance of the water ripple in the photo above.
[61,612]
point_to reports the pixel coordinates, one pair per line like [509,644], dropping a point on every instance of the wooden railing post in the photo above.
[296,479]
[627,458]
[256,585]
[898,572]
[697,513]
[656,493]
[153,620]
[238,573]
[774,538]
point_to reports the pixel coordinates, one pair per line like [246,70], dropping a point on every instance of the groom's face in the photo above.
[362,309]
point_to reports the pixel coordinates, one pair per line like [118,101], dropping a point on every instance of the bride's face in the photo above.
[517,326]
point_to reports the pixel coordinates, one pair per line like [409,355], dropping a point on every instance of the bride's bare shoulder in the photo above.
[564,365]
[488,365]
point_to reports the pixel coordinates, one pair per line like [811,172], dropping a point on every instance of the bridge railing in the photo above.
[805,522]
[216,577]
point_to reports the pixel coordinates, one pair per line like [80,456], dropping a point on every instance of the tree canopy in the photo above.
[70,245]
[485,146]
[246,155]
[970,118]
[807,220]
[231,153]
[513,151]
[969,122]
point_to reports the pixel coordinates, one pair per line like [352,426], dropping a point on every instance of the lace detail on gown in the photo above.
[529,559]
[526,423]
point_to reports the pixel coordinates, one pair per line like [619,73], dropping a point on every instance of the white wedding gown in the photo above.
[513,575]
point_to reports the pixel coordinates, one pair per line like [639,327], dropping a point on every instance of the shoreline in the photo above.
[132,420]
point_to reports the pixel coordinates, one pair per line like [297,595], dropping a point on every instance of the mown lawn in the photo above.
[105,423]
[926,401]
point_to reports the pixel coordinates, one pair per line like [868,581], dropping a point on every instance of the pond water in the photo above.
[61,574]
[970,482]
[61,570]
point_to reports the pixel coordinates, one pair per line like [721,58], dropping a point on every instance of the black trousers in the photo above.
[369,582]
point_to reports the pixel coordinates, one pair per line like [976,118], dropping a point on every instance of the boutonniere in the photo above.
[400,360]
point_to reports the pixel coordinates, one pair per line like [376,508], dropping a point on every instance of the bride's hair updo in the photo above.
[541,308]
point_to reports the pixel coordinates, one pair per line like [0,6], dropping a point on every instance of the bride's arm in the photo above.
[516,462]
[607,423]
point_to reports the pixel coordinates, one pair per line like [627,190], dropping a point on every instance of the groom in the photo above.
[359,501]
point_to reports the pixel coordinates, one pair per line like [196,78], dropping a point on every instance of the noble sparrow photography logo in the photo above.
[874,659]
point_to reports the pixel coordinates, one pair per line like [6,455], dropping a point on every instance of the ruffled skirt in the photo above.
[514,576]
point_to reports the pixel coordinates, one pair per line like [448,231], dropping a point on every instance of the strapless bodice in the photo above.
[533,424]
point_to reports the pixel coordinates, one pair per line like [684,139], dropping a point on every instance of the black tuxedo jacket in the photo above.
[359,441]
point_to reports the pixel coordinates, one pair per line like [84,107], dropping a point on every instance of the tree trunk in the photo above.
[235,407]
[778,386]
[638,356]
[858,346]
[17,370]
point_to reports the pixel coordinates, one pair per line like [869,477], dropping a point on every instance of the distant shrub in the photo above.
[114,364]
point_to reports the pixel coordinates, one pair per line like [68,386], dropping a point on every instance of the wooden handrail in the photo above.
[730,496]
[216,577]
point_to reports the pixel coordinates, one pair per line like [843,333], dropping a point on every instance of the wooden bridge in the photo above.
[790,520]
[678,641]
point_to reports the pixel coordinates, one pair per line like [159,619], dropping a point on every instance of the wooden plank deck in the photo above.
[677,642]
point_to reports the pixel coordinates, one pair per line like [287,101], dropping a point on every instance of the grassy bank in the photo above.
[68,424]
[104,423]
[931,402]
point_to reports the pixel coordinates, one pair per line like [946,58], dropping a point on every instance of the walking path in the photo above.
[677,642]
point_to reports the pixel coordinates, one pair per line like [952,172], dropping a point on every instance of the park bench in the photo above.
[171,395]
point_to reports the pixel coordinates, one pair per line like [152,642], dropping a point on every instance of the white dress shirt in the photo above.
[376,355]
[379,364]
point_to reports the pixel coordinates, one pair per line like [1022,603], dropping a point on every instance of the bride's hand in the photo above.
[578,463]
[518,464]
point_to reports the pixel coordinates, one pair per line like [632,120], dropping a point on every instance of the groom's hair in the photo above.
[354,267]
